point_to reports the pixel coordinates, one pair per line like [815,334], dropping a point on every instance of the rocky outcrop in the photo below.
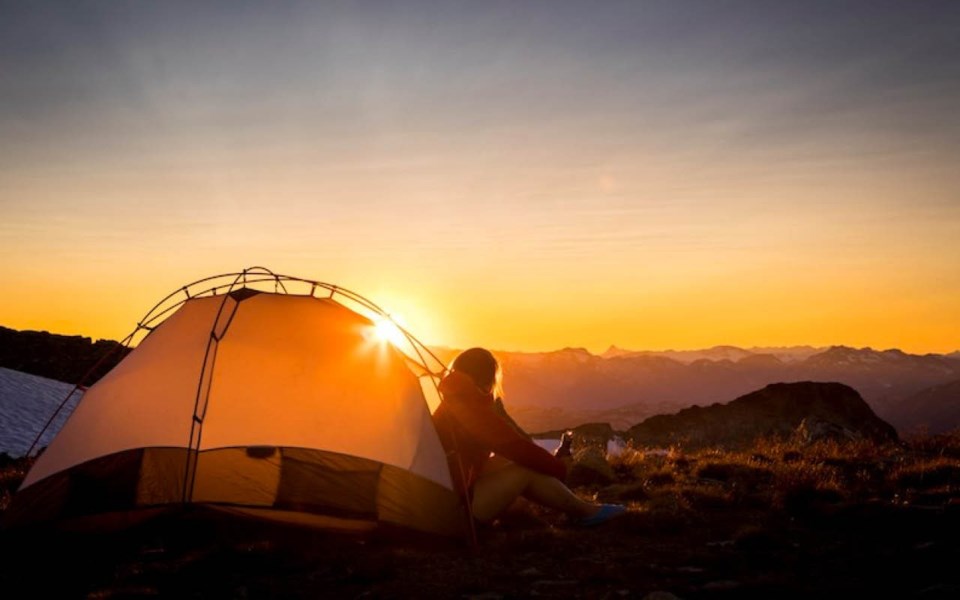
[62,357]
[776,410]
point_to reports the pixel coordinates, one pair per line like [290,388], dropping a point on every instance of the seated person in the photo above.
[472,424]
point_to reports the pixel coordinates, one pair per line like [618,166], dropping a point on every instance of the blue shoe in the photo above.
[606,512]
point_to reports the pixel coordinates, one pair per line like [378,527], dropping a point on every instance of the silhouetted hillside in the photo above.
[62,357]
[776,410]
[936,409]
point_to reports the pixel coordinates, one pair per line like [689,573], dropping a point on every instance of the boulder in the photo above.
[815,429]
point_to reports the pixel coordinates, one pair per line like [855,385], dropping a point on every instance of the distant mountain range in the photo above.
[551,390]
[554,390]
[786,354]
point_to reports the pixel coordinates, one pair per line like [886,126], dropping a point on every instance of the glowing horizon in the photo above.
[426,325]
[521,177]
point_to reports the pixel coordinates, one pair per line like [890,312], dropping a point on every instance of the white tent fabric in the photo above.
[224,376]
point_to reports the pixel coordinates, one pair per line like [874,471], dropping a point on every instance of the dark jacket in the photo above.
[470,427]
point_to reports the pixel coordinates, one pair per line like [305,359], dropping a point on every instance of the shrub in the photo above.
[660,478]
[944,445]
[802,488]
[634,492]
[707,498]
[937,473]
[737,474]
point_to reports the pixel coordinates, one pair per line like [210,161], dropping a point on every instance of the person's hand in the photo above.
[566,441]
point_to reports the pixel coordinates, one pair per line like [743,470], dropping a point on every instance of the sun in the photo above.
[387,331]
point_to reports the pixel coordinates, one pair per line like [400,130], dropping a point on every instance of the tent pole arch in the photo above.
[222,284]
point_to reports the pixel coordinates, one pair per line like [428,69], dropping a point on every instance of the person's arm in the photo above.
[483,421]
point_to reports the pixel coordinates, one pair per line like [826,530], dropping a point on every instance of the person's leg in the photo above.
[496,489]
[502,482]
[553,493]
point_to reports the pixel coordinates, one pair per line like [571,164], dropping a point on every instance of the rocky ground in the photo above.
[829,519]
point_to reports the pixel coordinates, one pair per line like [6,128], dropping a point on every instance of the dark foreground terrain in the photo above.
[777,520]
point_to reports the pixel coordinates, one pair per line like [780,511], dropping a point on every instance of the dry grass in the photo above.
[771,475]
[775,520]
[795,477]
[935,472]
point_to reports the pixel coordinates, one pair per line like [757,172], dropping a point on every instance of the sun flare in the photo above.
[387,331]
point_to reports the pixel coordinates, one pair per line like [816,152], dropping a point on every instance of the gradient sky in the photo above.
[519,175]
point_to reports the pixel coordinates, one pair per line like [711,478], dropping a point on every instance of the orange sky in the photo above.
[507,180]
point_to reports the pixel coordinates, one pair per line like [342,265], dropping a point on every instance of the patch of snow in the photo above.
[26,402]
[549,444]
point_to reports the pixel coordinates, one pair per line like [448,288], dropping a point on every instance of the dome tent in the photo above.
[258,394]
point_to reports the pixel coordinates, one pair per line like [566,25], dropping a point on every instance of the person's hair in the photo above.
[482,367]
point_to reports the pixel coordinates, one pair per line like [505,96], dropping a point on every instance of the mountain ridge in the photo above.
[565,387]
